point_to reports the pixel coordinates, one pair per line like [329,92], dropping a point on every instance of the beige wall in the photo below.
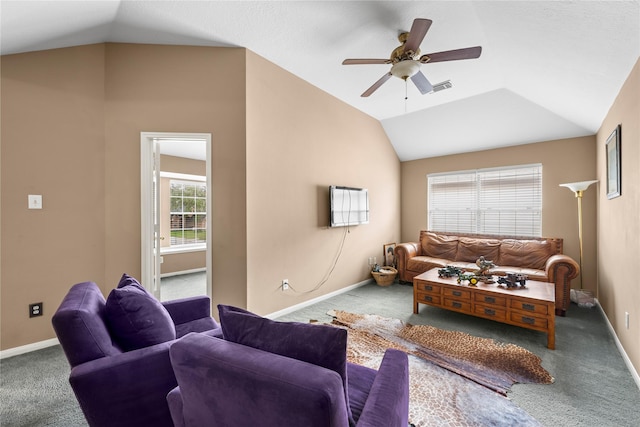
[619,221]
[183,261]
[71,123]
[52,131]
[293,155]
[177,89]
[567,160]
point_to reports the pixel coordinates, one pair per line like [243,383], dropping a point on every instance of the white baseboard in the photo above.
[16,351]
[625,357]
[179,273]
[315,300]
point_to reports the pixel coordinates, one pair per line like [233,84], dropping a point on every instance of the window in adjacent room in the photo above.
[188,216]
[502,201]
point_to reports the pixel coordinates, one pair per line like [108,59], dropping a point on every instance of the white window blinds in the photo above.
[504,201]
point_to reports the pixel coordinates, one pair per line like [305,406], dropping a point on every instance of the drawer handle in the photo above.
[490,299]
[529,320]
[428,288]
[457,293]
[456,304]
[428,298]
[529,307]
[489,311]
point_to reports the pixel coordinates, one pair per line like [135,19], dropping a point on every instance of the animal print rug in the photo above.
[441,363]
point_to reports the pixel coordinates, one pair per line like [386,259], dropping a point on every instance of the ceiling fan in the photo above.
[406,60]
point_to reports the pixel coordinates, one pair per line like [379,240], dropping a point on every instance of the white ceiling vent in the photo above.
[442,86]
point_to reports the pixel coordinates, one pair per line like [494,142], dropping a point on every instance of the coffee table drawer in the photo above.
[529,321]
[428,287]
[529,307]
[490,299]
[428,299]
[459,294]
[454,304]
[491,313]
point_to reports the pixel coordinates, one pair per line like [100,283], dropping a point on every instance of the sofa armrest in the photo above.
[404,252]
[560,270]
[128,389]
[248,387]
[388,401]
[554,261]
[186,310]
[176,407]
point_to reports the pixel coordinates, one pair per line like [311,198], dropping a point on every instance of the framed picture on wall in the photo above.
[614,180]
[388,251]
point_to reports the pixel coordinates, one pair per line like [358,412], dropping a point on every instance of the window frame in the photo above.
[191,180]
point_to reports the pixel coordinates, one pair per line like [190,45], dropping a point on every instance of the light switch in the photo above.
[35,201]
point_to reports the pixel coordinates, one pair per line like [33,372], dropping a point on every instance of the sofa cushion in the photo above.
[470,249]
[438,245]
[531,274]
[136,319]
[321,345]
[525,253]
[424,263]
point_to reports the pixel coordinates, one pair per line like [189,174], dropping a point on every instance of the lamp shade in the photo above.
[578,186]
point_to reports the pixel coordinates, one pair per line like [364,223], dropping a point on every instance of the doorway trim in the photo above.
[149,233]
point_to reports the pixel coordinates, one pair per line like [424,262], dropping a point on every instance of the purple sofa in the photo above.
[280,374]
[115,383]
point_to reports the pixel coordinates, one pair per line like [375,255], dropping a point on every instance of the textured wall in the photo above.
[619,221]
[71,124]
[293,155]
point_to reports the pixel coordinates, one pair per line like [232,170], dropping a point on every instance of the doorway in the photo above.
[176,208]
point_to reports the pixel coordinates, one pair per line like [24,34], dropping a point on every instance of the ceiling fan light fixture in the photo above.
[405,69]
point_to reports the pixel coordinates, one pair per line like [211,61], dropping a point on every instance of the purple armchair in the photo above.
[271,383]
[116,386]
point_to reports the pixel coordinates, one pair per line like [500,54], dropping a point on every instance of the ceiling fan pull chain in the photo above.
[406,96]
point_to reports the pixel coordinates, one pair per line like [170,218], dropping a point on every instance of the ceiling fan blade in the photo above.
[376,85]
[365,61]
[416,34]
[452,55]
[422,83]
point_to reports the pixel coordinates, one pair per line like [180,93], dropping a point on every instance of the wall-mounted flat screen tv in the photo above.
[349,206]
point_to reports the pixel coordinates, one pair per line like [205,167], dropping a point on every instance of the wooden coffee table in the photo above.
[532,307]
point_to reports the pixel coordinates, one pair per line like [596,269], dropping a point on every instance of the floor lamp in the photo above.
[578,188]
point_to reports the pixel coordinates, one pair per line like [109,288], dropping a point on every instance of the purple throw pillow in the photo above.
[320,345]
[136,319]
[127,280]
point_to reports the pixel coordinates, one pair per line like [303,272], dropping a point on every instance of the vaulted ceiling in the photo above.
[548,69]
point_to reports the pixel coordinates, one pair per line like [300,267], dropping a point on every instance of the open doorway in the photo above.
[175,213]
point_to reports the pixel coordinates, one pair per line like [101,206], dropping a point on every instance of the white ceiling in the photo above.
[548,70]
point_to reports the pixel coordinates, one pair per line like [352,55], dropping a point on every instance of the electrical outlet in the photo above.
[285,284]
[626,319]
[35,309]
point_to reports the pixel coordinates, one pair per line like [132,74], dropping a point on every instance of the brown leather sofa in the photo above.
[540,258]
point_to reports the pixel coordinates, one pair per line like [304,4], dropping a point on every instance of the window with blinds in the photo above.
[188,212]
[503,201]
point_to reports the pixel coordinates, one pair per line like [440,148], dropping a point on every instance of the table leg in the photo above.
[551,333]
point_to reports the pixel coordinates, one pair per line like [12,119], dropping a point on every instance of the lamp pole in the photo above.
[578,188]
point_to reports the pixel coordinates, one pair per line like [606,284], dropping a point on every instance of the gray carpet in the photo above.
[593,386]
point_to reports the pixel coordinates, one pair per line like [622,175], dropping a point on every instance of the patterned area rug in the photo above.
[441,365]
